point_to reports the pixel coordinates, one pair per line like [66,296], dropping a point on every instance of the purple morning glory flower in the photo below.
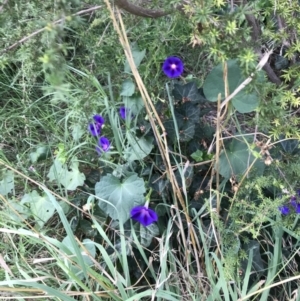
[143,215]
[95,127]
[284,210]
[123,112]
[297,208]
[172,67]
[99,119]
[103,145]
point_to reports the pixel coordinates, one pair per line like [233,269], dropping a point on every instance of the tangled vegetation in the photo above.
[149,150]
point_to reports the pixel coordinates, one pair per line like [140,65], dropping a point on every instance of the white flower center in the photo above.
[173,66]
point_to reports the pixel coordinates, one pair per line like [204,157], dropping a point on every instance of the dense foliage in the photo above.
[149,154]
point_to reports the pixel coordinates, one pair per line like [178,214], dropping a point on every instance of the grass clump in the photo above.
[120,182]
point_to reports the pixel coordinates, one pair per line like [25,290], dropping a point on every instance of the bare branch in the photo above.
[271,74]
[256,34]
[140,11]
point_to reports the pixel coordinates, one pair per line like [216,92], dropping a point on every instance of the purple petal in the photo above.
[136,210]
[94,129]
[284,210]
[103,144]
[297,208]
[143,215]
[173,67]
[123,111]
[99,120]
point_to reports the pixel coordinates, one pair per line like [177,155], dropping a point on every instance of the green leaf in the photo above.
[77,132]
[89,245]
[245,102]
[41,153]
[186,129]
[137,57]
[281,62]
[86,256]
[257,263]
[214,83]
[7,182]
[236,158]
[128,88]
[68,176]
[41,207]
[61,153]
[186,176]
[147,234]
[17,211]
[290,146]
[135,104]
[86,227]
[197,155]
[139,149]
[67,242]
[187,92]
[158,184]
[118,197]
[188,112]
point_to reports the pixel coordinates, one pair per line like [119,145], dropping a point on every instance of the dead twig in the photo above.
[255,36]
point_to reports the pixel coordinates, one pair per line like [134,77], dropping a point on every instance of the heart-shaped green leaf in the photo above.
[68,176]
[128,88]
[41,207]
[7,182]
[245,102]
[214,82]
[139,149]
[147,234]
[137,57]
[188,92]
[237,157]
[118,197]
